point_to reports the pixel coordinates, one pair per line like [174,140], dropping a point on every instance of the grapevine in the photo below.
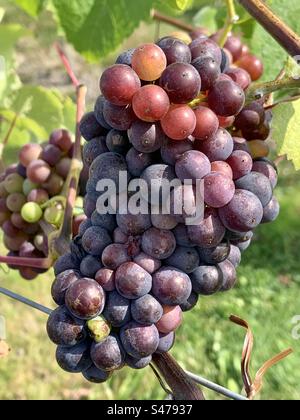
[156,209]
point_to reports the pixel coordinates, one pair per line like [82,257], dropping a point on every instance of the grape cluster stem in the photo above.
[281,32]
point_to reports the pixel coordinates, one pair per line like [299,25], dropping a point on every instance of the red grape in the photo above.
[150,103]
[149,62]
[179,123]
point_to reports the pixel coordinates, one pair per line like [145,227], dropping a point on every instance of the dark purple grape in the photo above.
[95,375]
[125,57]
[190,303]
[85,299]
[74,359]
[234,45]
[139,340]
[90,128]
[218,147]
[171,286]
[108,355]
[158,244]
[95,240]
[85,225]
[192,165]
[89,205]
[241,144]
[241,163]
[271,211]
[226,98]
[209,71]
[119,83]
[61,284]
[214,255]
[226,61]
[146,137]
[21,170]
[175,50]
[141,363]
[185,259]
[119,237]
[133,224]
[258,184]
[243,213]
[118,117]
[105,221]
[229,275]
[235,256]
[98,112]
[108,166]
[117,310]
[172,150]
[132,281]
[207,280]
[218,190]
[117,142]
[163,221]
[210,232]
[166,342]
[64,263]
[93,149]
[240,76]
[156,176]
[251,117]
[137,162]
[182,83]
[51,154]
[146,310]
[182,237]
[205,47]
[90,266]
[115,255]
[62,139]
[148,263]
[63,167]
[106,279]
[266,168]
[63,329]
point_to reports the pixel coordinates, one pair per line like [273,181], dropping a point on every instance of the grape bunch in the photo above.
[25,190]
[167,111]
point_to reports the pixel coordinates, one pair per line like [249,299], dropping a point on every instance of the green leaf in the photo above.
[98,27]
[31,7]
[41,111]
[206,17]
[266,47]
[286,130]
[9,81]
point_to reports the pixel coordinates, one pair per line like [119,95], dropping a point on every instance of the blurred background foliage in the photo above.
[35,86]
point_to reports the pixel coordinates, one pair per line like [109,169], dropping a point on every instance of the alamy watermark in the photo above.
[159,196]
[296,330]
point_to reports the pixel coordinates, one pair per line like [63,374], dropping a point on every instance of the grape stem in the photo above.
[42,263]
[182,387]
[62,241]
[259,90]
[172,21]
[232,19]
[281,32]
[67,65]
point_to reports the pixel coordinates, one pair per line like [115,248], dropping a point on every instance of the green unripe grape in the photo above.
[78,208]
[15,202]
[3,192]
[14,183]
[28,186]
[99,328]
[54,215]
[31,212]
